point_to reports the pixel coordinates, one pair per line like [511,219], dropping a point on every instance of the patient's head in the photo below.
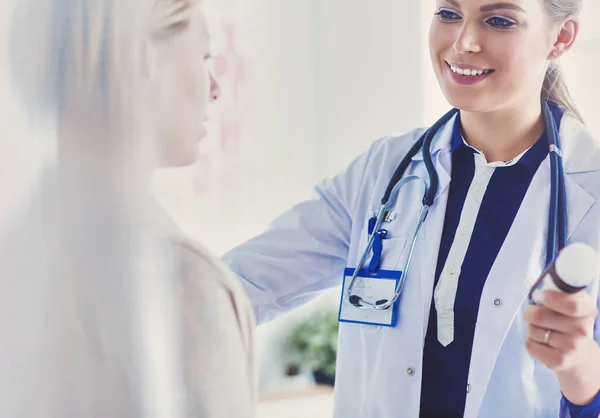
[183,84]
[141,60]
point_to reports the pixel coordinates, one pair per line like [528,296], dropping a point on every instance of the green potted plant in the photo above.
[312,344]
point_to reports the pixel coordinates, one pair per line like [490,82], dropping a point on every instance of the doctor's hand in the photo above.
[560,335]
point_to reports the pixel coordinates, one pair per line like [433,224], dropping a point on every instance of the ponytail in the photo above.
[555,90]
[554,87]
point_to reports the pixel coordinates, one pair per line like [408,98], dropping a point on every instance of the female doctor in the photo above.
[462,340]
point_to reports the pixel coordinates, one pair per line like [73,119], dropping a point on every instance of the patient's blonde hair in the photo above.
[77,62]
[169,17]
[81,45]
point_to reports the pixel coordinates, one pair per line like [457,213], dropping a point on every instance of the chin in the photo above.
[181,150]
[180,157]
[186,158]
[484,99]
[183,162]
[475,103]
[464,104]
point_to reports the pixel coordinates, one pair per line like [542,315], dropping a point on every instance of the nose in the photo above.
[215,88]
[467,40]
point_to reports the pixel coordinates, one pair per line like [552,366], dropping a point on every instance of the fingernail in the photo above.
[543,296]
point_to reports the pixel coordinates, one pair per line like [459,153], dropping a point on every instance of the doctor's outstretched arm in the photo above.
[305,250]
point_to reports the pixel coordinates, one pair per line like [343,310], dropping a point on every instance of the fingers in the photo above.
[560,329]
[557,340]
[543,317]
[576,305]
[549,356]
[562,351]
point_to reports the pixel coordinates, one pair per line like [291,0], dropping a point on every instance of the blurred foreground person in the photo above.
[107,309]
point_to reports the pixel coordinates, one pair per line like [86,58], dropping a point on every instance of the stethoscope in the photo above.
[557,219]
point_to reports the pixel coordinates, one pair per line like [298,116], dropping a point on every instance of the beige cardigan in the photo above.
[218,326]
[63,354]
[217,330]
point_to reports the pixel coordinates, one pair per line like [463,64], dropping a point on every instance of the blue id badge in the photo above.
[371,287]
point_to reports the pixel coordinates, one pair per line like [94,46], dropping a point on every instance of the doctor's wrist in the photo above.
[581,383]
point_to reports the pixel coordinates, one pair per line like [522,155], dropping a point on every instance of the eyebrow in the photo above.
[493,6]
[497,6]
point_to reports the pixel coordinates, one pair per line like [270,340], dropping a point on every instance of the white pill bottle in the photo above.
[575,267]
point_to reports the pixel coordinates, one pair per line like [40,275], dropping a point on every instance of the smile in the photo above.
[471,71]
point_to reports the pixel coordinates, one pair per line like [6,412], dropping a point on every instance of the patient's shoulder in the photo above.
[211,287]
[205,269]
[217,334]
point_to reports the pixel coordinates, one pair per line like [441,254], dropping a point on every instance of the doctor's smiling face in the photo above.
[493,54]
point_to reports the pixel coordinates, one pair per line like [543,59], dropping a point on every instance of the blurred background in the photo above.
[307,86]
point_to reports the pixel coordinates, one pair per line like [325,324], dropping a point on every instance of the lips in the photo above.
[467,75]
[468,70]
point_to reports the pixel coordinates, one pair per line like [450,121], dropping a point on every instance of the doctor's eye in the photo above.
[500,22]
[447,15]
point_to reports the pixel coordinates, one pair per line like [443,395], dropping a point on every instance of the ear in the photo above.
[567,34]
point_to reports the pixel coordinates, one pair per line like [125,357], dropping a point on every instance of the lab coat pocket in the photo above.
[391,259]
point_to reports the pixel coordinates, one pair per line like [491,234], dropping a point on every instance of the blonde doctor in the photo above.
[464,217]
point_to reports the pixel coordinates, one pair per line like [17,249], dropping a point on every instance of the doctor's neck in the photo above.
[503,134]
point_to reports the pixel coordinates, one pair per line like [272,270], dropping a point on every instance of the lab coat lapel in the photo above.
[581,151]
[519,263]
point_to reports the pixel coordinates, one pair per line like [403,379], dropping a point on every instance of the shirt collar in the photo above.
[529,158]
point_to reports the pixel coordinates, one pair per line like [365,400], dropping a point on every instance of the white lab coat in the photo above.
[379,368]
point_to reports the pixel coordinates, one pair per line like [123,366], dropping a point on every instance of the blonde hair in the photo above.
[554,87]
[78,45]
[168,17]
[72,59]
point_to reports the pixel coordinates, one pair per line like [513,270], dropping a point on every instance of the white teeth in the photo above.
[468,72]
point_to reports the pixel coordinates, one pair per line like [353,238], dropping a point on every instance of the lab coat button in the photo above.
[451,269]
[410,371]
[497,302]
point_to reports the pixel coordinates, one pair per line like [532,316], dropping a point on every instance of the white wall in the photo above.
[369,74]
[580,66]
[435,104]
[284,132]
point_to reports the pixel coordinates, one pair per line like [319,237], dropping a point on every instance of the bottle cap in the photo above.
[577,265]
